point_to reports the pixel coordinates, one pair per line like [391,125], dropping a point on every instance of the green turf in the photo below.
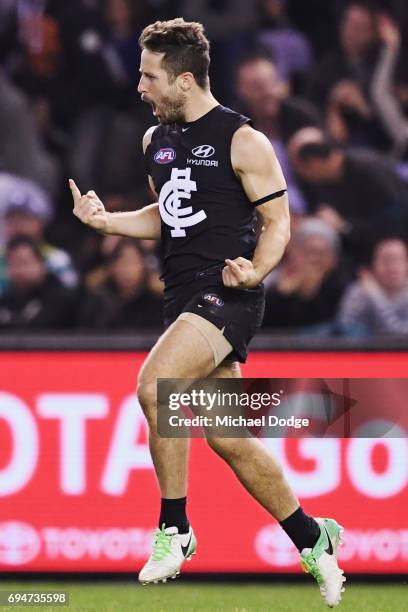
[196,597]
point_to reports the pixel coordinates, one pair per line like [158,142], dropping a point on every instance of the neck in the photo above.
[199,104]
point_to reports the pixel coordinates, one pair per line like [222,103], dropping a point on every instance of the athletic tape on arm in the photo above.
[272,196]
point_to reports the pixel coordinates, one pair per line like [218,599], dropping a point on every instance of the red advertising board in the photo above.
[78,491]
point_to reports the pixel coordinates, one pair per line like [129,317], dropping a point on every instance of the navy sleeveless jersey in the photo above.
[206,216]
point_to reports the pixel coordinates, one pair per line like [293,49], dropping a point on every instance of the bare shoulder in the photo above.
[147,138]
[250,148]
[247,136]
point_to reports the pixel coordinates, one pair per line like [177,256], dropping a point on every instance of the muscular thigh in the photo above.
[227,369]
[181,352]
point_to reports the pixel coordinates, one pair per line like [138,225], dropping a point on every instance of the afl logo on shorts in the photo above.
[212,298]
[165,156]
[203,151]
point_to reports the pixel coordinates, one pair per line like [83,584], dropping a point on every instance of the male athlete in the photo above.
[213,174]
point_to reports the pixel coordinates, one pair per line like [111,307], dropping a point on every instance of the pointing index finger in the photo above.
[74,189]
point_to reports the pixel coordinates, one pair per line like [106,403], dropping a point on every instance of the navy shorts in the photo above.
[238,311]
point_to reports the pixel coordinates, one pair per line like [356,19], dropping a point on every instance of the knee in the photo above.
[147,396]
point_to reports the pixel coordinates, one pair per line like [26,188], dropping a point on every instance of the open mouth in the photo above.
[152,104]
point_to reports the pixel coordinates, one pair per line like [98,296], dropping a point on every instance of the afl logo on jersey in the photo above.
[203,151]
[165,156]
[213,298]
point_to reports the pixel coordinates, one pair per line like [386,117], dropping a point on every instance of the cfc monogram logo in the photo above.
[179,187]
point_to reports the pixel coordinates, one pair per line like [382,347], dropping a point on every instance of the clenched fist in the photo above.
[89,209]
[239,273]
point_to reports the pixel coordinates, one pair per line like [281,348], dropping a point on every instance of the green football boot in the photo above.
[321,561]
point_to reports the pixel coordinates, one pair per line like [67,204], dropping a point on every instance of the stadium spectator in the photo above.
[21,150]
[318,19]
[126,19]
[230,25]
[377,303]
[288,46]
[27,211]
[77,64]
[383,93]
[123,300]
[118,159]
[15,187]
[34,299]
[340,83]
[308,285]
[357,192]
[265,97]
[96,250]
[60,59]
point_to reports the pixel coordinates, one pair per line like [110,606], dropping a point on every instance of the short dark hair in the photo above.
[258,54]
[316,150]
[119,248]
[185,47]
[24,241]
[390,234]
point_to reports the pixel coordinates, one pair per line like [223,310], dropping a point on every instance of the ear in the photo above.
[186,81]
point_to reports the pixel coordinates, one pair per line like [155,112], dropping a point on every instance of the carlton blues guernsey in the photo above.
[206,217]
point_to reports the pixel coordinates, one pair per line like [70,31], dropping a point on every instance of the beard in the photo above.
[171,109]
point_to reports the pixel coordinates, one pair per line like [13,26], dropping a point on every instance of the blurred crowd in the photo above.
[327,82]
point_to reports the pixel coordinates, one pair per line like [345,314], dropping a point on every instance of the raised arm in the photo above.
[384,99]
[143,223]
[255,163]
